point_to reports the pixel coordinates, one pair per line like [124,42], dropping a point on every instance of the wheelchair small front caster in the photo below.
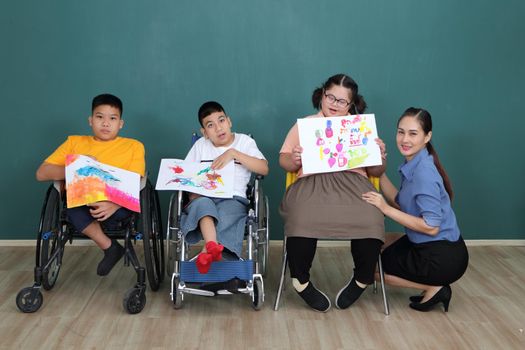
[134,300]
[29,299]
[258,294]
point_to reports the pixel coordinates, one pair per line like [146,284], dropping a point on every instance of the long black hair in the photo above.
[425,120]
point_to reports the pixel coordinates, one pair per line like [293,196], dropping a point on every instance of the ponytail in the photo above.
[441,170]
[359,104]
[317,96]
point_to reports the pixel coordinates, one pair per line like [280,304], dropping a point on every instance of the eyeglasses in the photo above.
[339,102]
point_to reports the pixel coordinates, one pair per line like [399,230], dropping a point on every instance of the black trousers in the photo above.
[301,252]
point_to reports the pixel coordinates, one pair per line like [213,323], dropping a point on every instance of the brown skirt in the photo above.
[330,206]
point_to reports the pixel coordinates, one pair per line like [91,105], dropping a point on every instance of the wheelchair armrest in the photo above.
[143,181]
[60,185]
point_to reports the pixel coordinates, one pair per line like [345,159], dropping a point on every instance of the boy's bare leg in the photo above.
[94,231]
[207,227]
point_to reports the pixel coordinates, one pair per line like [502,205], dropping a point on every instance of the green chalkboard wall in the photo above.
[462,60]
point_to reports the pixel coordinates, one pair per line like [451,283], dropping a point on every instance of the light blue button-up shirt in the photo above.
[423,194]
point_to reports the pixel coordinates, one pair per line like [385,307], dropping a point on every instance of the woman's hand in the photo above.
[296,156]
[376,200]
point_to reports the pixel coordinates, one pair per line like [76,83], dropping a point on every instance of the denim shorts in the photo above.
[229,215]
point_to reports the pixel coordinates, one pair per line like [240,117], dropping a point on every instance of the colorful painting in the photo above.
[89,181]
[338,143]
[178,175]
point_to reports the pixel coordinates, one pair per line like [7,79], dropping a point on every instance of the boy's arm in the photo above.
[255,165]
[48,171]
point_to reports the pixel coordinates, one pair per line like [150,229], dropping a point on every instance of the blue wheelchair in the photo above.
[55,231]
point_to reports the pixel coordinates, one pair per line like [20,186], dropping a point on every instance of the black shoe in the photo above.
[111,256]
[316,299]
[442,296]
[348,294]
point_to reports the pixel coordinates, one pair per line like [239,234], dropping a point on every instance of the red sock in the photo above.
[203,262]
[215,250]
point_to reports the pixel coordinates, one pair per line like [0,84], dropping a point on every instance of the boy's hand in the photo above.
[103,210]
[223,159]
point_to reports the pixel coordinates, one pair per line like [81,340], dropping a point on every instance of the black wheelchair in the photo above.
[55,231]
[250,269]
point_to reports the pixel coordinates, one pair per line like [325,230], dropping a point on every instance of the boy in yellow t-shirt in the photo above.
[106,147]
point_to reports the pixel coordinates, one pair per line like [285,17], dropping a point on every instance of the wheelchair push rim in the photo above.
[153,238]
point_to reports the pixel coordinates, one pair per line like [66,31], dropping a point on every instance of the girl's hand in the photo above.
[376,200]
[382,147]
[296,155]
[223,159]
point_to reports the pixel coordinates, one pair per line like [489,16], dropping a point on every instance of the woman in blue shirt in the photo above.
[432,254]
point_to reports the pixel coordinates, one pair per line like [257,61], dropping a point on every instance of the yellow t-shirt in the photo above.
[121,152]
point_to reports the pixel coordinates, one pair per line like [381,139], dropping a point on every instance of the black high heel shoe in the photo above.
[442,296]
[416,298]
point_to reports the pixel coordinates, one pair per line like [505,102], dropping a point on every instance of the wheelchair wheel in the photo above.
[134,300]
[29,300]
[49,238]
[153,238]
[177,295]
[264,236]
[258,294]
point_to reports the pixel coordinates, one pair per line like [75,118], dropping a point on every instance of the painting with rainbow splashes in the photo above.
[89,181]
[195,177]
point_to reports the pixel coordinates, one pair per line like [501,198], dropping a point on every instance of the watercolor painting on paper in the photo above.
[338,143]
[89,181]
[195,177]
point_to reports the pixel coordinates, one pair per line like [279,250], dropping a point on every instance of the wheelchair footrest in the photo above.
[219,271]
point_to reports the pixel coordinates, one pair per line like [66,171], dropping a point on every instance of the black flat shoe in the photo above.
[316,299]
[348,294]
[442,296]
[111,256]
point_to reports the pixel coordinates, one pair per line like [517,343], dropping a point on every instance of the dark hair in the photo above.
[107,99]
[358,102]
[425,120]
[208,108]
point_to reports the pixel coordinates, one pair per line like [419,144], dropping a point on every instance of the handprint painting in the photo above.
[338,143]
[176,174]
[89,181]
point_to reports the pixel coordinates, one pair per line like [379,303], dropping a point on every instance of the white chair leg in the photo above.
[383,287]
[283,274]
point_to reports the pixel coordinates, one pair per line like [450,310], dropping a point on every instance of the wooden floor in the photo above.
[85,311]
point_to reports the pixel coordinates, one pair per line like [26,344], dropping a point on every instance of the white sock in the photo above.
[361,285]
[298,286]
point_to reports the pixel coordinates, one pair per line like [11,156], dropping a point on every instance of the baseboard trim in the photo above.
[322,243]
